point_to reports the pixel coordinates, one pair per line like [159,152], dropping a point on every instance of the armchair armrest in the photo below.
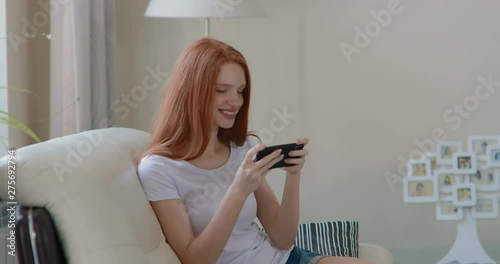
[375,253]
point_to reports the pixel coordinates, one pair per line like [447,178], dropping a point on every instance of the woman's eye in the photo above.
[221,91]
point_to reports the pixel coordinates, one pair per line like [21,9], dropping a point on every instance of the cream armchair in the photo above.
[88,184]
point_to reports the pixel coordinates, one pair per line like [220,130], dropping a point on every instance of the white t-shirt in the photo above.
[202,191]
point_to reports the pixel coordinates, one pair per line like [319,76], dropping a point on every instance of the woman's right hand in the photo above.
[250,173]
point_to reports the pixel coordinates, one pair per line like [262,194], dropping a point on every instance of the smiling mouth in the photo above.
[228,114]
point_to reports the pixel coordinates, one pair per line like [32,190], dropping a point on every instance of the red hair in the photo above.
[183,122]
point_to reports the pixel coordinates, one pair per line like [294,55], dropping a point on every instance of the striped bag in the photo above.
[336,238]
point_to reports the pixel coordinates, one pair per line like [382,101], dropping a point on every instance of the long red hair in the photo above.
[183,122]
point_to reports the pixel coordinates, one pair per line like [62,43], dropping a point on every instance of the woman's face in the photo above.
[229,94]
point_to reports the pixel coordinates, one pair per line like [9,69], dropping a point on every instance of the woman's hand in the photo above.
[299,158]
[250,173]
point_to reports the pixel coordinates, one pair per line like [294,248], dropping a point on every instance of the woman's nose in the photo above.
[236,99]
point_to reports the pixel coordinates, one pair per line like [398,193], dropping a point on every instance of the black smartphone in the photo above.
[285,150]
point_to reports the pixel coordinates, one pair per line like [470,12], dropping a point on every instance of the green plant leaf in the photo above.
[17,89]
[11,120]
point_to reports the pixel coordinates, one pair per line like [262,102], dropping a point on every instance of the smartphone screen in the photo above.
[285,149]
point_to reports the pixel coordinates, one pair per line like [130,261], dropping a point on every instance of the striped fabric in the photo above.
[335,238]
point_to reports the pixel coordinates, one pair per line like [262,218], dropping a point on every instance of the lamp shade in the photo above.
[204,8]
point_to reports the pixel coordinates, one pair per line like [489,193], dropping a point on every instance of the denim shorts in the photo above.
[303,256]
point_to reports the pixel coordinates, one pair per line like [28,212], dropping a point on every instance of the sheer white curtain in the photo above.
[82,65]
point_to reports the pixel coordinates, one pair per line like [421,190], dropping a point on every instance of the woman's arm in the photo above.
[207,247]
[281,221]
[209,244]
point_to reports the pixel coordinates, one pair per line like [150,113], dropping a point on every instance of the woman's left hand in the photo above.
[297,157]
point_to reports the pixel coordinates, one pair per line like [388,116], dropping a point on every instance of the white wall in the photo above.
[360,116]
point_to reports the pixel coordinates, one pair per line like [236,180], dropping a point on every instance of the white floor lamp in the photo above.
[204,9]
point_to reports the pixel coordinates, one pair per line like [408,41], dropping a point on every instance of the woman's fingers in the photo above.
[268,165]
[295,161]
[298,153]
[267,159]
[253,151]
[302,141]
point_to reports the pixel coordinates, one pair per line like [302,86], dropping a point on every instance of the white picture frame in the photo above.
[493,156]
[478,144]
[419,168]
[464,194]
[447,179]
[445,151]
[488,179]
[465,162]
[486,207]
[420,189]
[446,211]
[432,157]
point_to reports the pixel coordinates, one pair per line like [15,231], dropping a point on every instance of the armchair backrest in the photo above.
[89,185]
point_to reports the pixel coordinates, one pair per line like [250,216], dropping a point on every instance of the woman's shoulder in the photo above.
[155,162]
[154,158]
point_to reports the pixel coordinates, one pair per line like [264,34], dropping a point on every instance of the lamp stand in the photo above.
[207,27]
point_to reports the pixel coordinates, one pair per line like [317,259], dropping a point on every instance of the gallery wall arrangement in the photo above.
[465,186]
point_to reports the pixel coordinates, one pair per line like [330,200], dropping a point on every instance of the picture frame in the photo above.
[432,157]
[464,195]
[419,168]
[486,179]
[445,151]
[465,162]
[486,207]
[493,156]
[446,211]
[478,144]
[420,189]
[447,179]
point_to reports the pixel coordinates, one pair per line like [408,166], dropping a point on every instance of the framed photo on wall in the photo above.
[419,168]
[486,207]
[464,195]
[446,211]
[465,162]
[432,157]
[478,144]
[445,151]
[420,190]
[447,179]
[486,179]
[493,156]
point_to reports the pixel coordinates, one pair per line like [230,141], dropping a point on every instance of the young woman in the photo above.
[199,171]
